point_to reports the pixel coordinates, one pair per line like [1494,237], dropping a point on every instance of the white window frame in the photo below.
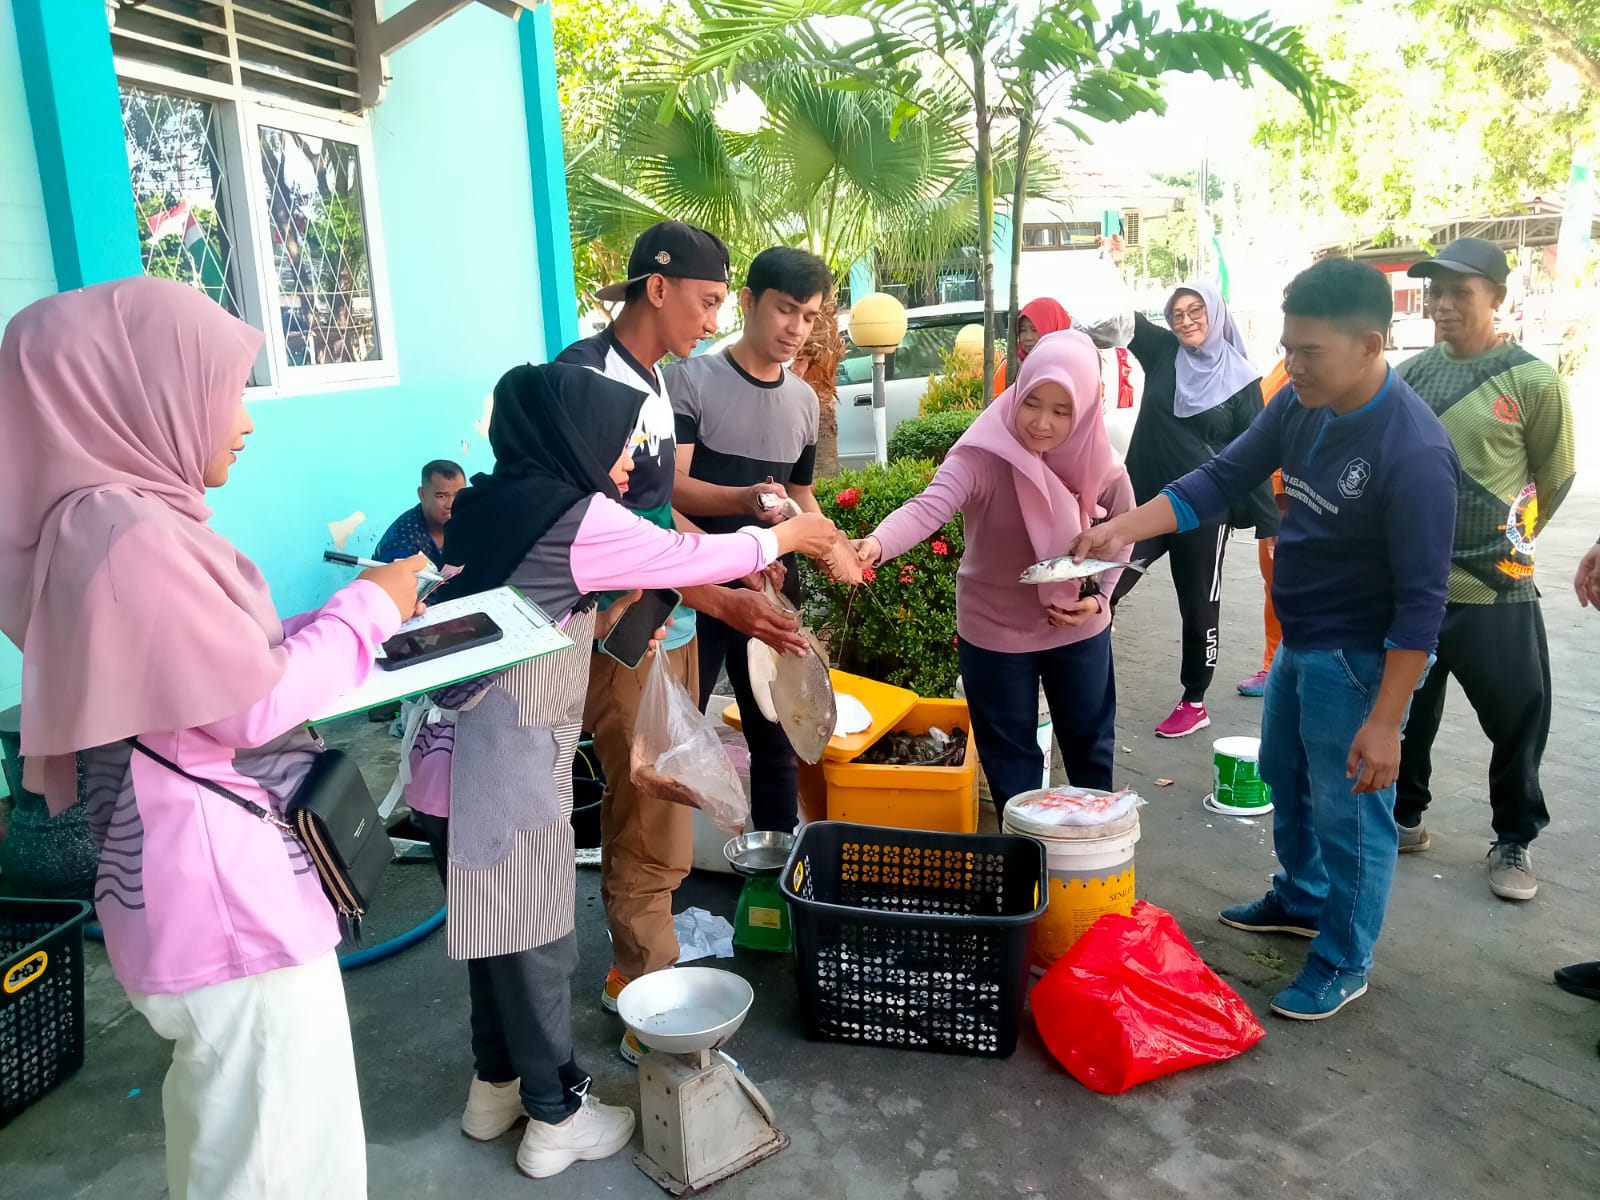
[240,114]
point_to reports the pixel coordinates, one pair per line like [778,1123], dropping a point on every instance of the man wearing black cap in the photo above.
[677,283]
[1508,415]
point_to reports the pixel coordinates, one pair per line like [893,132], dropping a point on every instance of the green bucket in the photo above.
[1236,785]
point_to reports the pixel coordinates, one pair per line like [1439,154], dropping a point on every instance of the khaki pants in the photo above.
[647,846]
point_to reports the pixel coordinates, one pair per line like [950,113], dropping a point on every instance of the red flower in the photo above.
[868,574]
[955,639]
[906,573]
[848,498]
[940,548]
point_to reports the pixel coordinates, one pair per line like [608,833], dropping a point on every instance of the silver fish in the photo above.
[1058,570]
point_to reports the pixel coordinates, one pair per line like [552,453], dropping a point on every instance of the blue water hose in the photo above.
[357,958]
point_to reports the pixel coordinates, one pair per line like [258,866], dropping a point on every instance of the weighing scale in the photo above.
[702,1119]
[762,921]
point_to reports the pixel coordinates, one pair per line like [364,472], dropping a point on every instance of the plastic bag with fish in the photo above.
[677,757]
[1076,806]
[795,691]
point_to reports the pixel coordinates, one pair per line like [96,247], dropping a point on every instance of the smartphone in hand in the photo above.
[630,636]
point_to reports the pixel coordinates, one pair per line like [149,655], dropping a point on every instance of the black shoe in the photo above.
[1581,979]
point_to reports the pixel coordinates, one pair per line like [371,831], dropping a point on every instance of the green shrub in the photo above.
[957,387]
[900,624]
[930,437]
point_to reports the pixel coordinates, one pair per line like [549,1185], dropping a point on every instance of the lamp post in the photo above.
[969,342]
[877,325]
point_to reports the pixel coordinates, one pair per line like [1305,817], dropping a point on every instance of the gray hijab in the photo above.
[1218,367]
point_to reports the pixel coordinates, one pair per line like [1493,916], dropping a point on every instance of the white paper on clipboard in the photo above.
[529,633]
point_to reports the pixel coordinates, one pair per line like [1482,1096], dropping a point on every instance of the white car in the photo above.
[930,335]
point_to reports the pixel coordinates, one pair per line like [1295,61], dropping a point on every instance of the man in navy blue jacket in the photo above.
[1359,586]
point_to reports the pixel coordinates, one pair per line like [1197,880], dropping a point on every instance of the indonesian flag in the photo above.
[177,219]
[209,274]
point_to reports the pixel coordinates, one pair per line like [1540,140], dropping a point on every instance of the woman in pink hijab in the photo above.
[1031,472]
[122,403]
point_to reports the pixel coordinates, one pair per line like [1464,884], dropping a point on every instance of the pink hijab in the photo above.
[133,616]
[1058,491]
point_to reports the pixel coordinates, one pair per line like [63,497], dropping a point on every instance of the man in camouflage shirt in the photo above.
[1507,413]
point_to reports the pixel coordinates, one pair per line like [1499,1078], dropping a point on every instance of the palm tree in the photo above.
[841,170]
[1008,59]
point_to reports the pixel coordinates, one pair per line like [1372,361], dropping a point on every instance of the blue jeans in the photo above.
[1080,686]
[1336,850]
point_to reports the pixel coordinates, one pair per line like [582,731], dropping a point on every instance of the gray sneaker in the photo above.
[1413,838]
[1511,872]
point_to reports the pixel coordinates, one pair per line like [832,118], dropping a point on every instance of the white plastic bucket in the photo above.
[1091,873]
[1237,789]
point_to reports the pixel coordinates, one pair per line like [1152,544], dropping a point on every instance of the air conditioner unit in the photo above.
[1130,227]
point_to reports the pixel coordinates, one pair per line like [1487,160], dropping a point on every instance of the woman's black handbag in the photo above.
[334,818]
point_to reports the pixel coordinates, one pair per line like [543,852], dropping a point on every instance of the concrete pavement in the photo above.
[1464,1073]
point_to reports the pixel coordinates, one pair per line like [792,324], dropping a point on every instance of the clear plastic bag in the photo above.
[676,757]
[1076,806]
[1104,307]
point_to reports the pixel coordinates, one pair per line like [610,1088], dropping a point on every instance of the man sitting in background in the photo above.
[420,530]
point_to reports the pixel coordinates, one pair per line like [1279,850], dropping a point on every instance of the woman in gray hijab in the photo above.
[1200,392]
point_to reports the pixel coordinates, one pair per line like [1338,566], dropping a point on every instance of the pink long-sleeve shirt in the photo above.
[993,610]
[598,546]
[193,890]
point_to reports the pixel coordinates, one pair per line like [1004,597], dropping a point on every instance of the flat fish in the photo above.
[796,692]
[1058,570]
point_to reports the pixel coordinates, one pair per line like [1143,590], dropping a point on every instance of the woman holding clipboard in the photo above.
[144,633]
[493,790]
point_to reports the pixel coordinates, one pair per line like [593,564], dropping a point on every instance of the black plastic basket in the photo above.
[41,998]
[909,938]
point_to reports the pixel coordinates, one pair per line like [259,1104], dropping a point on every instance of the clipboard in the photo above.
[529,633]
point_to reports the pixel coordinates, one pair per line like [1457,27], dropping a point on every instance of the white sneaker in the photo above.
[491,1110]
[595,1131]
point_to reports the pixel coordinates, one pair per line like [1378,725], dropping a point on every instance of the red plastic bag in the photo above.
[1132,1001]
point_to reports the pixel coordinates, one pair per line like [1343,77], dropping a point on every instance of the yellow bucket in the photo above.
[1091,874]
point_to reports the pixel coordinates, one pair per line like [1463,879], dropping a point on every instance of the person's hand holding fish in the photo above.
[868,551]
[811,534]
[1104,542]
[766,502]
[753,615]
[1079,612]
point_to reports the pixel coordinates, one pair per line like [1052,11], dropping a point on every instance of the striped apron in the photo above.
[511,877]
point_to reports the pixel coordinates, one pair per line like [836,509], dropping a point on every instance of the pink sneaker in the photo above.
[1184,720]
[1256,685]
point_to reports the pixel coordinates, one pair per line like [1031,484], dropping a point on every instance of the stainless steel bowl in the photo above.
[765,852]
[686,1009]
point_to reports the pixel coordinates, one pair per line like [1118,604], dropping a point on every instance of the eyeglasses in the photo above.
[1192,315]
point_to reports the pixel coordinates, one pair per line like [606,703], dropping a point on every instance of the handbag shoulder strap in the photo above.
[250,806]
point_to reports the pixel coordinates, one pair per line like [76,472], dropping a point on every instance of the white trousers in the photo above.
[261,1101]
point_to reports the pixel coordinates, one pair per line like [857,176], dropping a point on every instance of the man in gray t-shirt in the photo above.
[745,426]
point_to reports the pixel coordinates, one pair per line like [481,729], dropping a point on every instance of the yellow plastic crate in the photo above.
[944,799]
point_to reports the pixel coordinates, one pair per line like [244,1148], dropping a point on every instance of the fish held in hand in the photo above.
[1059,570]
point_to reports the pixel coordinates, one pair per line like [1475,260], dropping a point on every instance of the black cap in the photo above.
[676,250]
[1467,256]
